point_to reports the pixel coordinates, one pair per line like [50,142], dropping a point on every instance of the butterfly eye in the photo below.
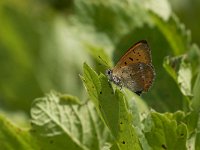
[108,72]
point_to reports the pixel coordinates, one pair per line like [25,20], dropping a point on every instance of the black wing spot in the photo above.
[131,58]
[101,92]
[123,142]
[125,63]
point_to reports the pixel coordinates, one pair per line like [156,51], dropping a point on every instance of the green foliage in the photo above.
[63,117]
[163,128]
[15,138]
[45,48]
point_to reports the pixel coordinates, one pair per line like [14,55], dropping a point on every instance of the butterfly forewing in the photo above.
[138,53]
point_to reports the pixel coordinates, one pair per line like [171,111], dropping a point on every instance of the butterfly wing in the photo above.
[136,77]
[134,70]
[138,53]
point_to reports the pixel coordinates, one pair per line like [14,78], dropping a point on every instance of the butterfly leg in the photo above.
[138,92]
[120,87]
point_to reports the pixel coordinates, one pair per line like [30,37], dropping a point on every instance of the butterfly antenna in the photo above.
[103,60]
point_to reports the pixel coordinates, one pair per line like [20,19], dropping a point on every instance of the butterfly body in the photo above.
[134,70]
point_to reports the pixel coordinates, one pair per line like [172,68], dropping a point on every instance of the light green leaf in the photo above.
[128,138]
[115,112]
[185,79]
[109,105]
[93,88]
[13,137]
[181,71]
[175,33]
[161,8]
[166,133]
[196,99]
[75,125]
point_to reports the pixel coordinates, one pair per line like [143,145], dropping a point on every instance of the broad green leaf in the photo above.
[115,112]
[13,137]
[115,18]
[165,133]
[190,119]
[109,105]
[105,101]
[61,122]
[160,8]
[181,71]
[128,138]
[93,88]
[174,32]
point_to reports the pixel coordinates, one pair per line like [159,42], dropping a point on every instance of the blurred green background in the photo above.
[43,45]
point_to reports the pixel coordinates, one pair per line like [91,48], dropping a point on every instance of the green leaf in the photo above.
[181,71]
[108,19]
[114,109]
[63,123]
[165,133]
[109,105]
[13,137]
[94,87]
[196,99]
[128,138]
[105,101]
[191,120]
[174,32]
[160,8]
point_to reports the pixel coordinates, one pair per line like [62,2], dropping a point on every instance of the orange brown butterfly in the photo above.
[134,70]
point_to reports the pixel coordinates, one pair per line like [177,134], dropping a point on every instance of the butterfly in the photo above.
[134,70]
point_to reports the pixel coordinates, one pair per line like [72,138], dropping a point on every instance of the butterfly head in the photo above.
[112,77]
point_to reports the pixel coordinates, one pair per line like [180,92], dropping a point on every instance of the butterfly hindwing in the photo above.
[136,77]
